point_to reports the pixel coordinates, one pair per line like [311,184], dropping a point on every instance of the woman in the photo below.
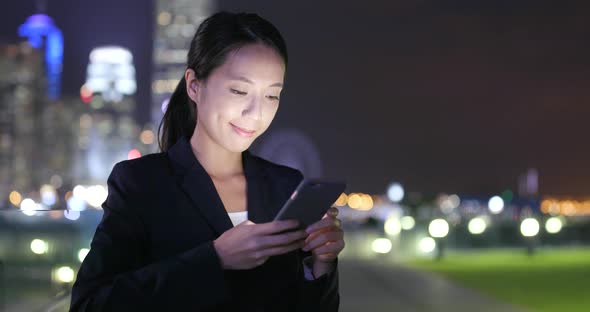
[191,228]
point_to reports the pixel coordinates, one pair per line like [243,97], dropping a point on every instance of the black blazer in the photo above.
[153,249]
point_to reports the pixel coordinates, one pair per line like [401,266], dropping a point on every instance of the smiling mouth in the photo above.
[243,131]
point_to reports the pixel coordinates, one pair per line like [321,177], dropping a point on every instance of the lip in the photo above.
[243,132]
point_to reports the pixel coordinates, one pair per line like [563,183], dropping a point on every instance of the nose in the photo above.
[254,109]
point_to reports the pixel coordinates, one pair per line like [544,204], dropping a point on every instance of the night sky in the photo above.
[460,96]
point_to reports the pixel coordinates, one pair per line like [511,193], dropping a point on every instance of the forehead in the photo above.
[256,62]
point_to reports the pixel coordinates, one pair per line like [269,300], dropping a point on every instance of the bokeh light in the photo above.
[395,192]
[496,204]
[28,207]
[355,201]
[39,246]
[438,228]
[529,227]
[393,225]
[82,254]
[96,195]
[147,137]
[63,274]
[427,245]
[72,214]
[15,198]
[342,200]
[407,222]
[381,245]
[476,225]
[133,154]
[553,225]
[48,195]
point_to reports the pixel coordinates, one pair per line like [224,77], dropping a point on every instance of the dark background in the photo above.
[454,96]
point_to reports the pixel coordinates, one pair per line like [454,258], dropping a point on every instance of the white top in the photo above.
[238,217]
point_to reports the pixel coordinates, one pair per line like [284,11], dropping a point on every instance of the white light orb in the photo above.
[427,245]
[529,227]
[39,246]
[407,222]
[477,226]
[395,192]
[381,245]
[496,204]
[393,226]
[438,228]
[553,225]
[64,274]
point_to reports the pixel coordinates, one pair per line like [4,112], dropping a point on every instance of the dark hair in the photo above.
[217,35]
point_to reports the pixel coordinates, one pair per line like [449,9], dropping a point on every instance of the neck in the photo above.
[215,159]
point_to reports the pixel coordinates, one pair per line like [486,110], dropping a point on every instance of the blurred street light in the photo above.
[395,192]
[63,274]
[553,225]
[529,227]
[381,245]
[438,228]
[427,245]
[477,225]
[39,246]
[393,226]
[407,222]
[28,207]
[496,204]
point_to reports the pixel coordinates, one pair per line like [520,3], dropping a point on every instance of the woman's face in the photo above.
[239,100]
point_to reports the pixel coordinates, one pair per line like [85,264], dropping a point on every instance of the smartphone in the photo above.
[311,200]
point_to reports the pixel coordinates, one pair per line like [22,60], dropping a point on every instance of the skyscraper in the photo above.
[22,99]
[176,23]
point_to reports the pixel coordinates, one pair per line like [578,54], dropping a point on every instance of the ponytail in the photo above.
[180,118]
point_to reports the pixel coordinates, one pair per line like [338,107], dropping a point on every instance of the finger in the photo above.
[323,239]
[333,211]
[279,250]
[282,239]
[324,223]
[337,227]
[331,247]
[276,226]
[327,257]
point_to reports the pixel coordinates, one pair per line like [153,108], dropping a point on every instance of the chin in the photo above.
[237,147]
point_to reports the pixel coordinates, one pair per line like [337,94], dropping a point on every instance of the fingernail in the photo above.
[309,230]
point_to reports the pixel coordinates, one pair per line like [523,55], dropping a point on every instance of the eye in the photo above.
[272,97]
[238,92]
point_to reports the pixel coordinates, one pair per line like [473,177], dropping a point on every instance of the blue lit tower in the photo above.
[43,34]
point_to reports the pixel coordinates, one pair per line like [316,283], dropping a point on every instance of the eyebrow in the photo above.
[244,79]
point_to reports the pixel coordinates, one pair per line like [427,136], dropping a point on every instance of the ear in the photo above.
[192,85]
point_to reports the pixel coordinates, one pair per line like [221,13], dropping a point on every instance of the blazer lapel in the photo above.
[258,189]
[198,186]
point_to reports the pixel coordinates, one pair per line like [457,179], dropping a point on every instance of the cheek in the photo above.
[219,110]
[269,113]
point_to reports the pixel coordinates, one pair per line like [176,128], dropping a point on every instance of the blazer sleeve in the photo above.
[322,293]
[115,275]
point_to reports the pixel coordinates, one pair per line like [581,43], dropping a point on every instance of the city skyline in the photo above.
[467,112]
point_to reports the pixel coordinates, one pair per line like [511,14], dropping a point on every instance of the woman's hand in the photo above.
[326,241]
[248,245]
